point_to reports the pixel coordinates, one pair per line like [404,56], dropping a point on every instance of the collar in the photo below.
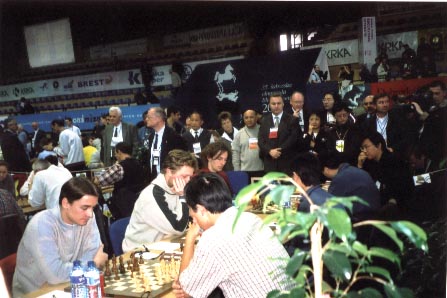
[279,116]
[193,132]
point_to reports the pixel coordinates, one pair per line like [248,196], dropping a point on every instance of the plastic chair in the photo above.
[238,180]
[116,232]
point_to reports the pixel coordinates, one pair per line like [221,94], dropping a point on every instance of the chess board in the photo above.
[155,276]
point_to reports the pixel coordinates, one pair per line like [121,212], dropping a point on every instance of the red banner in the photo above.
[406,87]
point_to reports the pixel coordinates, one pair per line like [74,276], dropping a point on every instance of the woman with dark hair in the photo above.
[327,115]
[392,175]
[54,238]
[316,139]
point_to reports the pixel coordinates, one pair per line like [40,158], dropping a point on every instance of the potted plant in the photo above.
[345,260]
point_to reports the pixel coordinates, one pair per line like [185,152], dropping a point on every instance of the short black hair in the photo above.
[52,159]
[375,138]
[307,166]
[58,122]
[4,163]
[124,148]
[340,106]
[210,191]
[77,187]
[69,119]
[172,110]
[380,95]
[437,83]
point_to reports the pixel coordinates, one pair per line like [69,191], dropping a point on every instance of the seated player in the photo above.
[246,262]
[6,180]
[159,210]
[214,157]
[54,238]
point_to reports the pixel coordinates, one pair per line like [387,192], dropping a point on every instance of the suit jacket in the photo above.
[39,136]
[171,140]
[286,140]
[300,145]
[394,132]
[130,136]
[14,153]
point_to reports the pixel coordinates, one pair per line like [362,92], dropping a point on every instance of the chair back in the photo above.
[10,234]
[117,231]
[238,180]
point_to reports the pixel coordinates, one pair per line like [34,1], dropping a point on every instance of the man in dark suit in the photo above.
[301,117]
[115,132]
[387,124]
[162,140]
[370,110]
[13,151]
[36,136]
[277,137]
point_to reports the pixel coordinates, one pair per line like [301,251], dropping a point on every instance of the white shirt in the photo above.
[75,129]
[70,147]
[47,186]
[159,138]
[119,135]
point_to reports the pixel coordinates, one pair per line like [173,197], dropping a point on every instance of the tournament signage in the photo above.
[205,36]
[84,119]
[394,43]
[368,47]
[129,47]
[107,81]
[339,53]
[238,85]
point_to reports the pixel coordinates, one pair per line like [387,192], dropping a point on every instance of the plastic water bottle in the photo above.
[77,281]
[93,282]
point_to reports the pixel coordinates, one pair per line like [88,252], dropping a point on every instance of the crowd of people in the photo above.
[165,172]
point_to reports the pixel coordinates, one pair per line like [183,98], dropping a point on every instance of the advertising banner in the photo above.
[238,85]
[106,81]
[339,53]
[84,119]
[368,47]
[394,43]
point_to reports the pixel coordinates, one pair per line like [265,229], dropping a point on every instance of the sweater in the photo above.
[48,248]
[158,213]
[244,157]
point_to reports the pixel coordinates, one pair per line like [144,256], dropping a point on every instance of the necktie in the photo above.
[276,121]
[196,138]
[115,134]
[156,141]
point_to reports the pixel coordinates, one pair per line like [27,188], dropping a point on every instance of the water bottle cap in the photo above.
[77,263]
[91,264]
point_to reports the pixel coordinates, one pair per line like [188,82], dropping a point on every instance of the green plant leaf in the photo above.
[298,293]
[301,277]
[247,193]
[272,176]
[390,233]
[414,233]
[338,264]
[385,254]
[295,263]
[339,220]
[359,247]
[392,291]
[274,294]
[365,293]
[280,194]
[375,270]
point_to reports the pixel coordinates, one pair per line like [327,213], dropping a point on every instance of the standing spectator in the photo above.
[6,181]
[100,125]
[13,151]
[227,131]
[46,185]
[370,110]
[116,132]
[374,75]
[316,140]
[277,136]
[298,112]
[173,121]
[161,141]
[70,148]
[36,136]
[327,116]
[22,134]
[69,125]
[245,149]
[24,107]
[196,137]
[144,132]
[408,62]
[382,70]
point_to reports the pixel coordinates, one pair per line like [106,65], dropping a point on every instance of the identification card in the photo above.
[273,133]
[196,147]
[253,143]
[340,145]
[155,157]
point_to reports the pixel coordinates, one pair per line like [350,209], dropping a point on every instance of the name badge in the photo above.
[340,145]
[155,157]
[273,133]
[196,147]
[253,143]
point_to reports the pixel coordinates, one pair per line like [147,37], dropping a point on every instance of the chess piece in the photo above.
[107,273]
[141,259]
[116,273]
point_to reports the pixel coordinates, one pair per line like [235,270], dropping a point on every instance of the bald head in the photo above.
[369,105]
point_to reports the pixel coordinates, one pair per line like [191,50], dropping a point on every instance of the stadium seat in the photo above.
[117,231]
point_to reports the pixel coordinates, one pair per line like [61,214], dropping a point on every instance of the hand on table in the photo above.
[101,257]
